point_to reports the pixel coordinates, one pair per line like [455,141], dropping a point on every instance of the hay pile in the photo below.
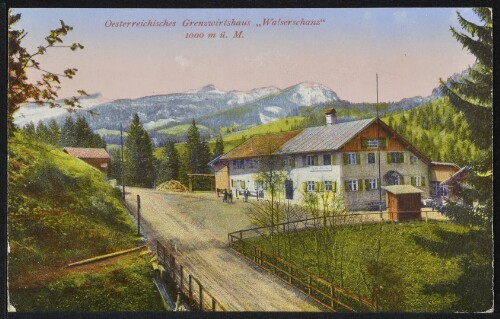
[172,186]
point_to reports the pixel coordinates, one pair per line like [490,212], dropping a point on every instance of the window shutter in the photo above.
[232,183]
[292,162]
[316,186]
[413,181]
[401,158]
[321,186]
[345,159]
[378,183]
[360,184]
[402,180]
[364,143]
[389,159]
[304,161]
[358,158]
[304,186]
[334,187]
[422,179]
[383,143]
[334,159]
[242,183]
[346,186]
[316,160]
[367,184]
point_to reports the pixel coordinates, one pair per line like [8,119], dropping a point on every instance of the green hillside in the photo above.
[62,210]
[438,130]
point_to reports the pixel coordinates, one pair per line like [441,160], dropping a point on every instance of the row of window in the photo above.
[325,186]
[329,159]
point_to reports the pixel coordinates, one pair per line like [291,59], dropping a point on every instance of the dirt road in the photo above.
[197,225]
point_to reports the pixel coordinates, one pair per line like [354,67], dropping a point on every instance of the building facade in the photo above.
[355,158]
[96,157]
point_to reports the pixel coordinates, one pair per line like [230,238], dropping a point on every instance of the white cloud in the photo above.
[400,16]
[182,61]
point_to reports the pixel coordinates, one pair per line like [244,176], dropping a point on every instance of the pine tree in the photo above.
[197,156]
[54,133]
[83,133]
[42,132]
[472,94]
[68,137]
[169,165]
[139,163]
[30,130]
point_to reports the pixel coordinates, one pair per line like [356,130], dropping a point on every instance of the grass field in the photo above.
[432,267]
[62,210]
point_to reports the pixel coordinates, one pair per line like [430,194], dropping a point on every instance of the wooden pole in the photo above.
[201,296]
[182,277]
[138,215]
[190,287]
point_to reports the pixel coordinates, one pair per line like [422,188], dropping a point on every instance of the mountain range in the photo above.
[211,108]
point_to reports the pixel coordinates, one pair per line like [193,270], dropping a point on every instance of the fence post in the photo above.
[254,254]
[331,295]
[261,259]
[241,235]
[290,273]
[426,212]
[138,215]
[190,284]
[163,248]
[309,286]
[201,296]
[182,277]
[213,304]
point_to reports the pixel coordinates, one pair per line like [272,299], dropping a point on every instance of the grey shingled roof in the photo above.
[324,138]
[402,189]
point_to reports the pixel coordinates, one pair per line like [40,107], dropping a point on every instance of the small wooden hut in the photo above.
[403,202]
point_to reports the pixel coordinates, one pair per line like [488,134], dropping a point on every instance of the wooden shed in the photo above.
[403,202]
[97,157]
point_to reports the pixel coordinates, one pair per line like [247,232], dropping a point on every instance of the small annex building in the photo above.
[403,202]
[96,157]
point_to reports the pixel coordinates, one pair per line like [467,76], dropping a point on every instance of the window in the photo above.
[352,186]
[327,159]
[310,186]
[351,158]
[413,159]
[372,143]
[372,184]
[418,181]
[312,160]
[239,164]
[395,157]
[328,186]
[104,165]
[371,158]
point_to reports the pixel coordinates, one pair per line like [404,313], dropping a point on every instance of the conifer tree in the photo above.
[169,165]
[139,162]
[42,132]
[54,133]
[30,130]
[197,155]
[68,137]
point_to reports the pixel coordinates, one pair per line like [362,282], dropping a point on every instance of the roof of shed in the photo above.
[324,138]
[402,189]
[260,145]
[80,152]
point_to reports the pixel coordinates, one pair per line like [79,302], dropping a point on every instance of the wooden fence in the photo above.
[329,295]
[189,286]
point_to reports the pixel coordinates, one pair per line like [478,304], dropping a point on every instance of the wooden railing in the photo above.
[326,293]
[189,286]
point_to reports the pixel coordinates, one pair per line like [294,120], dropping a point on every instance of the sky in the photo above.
[343,49]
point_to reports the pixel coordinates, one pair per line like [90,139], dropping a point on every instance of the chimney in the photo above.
[331,116]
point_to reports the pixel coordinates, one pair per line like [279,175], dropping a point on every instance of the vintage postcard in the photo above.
[256,160]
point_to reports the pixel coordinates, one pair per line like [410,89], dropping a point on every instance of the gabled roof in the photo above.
[402,189]
[324,138]
[445,164]
[457,177]
[260,145]
[80,152]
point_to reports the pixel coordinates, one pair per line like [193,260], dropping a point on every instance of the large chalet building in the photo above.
[357,157]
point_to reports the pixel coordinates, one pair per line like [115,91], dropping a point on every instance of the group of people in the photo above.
[228,195]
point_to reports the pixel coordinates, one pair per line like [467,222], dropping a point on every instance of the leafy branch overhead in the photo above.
[44,90]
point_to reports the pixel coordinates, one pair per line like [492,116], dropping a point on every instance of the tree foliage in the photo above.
[197,157]
[45,90]
[472,94]
[139,160]
[169,164]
